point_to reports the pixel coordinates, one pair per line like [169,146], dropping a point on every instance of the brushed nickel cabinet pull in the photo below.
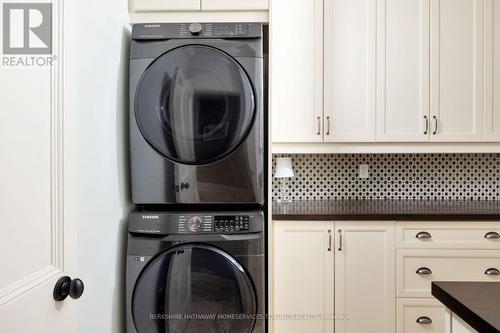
[492,271]
[492,235]
[426,125]
[435,125]
[424,320]
[423,235]
[329,240]
[424,271]
[319,126]
[327,125]
[340,240]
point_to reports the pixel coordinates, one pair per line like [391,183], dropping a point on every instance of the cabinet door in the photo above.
[365,277]
[457,70]
[403,70]
[350,64]
[165,5]
[296,70]
[303,276]
[234,5]
[492,70]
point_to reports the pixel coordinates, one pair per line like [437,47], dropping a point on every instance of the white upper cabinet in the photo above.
[457,70]
[145,6]
[234,5]
[492,70]
[392,71]
[403,71]
[350,68]
[296,71]
[165,5]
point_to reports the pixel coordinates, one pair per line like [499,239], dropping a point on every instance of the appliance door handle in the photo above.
[492,235]
[424,320]
[423,235]
[492,271]
[423,271]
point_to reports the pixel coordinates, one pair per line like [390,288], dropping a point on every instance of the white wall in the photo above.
[102,42]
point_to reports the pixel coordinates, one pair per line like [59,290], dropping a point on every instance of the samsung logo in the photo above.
[150,217]
[151,26]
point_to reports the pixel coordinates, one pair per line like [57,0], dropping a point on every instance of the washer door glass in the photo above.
[195,104]
[194,288]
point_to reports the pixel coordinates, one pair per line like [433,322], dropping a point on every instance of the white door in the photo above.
[350,63]
[457,70]
[492,70]
[303,277]
[37,241]
[235,5]
[365,277]
[403,71]
[63,182]
[296,70]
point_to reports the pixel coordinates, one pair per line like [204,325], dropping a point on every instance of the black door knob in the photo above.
[65,286]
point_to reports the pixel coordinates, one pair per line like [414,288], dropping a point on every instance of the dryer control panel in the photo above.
[163,31]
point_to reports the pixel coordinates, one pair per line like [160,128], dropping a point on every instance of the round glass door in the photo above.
[195,104]
[194,288]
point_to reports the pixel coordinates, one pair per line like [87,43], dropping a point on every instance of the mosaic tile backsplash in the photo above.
[393,176]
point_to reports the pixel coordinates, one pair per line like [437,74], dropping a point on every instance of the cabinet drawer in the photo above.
[416,269]
[451,235]
[420,315]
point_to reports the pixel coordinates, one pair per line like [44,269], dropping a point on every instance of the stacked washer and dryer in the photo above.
[196,242]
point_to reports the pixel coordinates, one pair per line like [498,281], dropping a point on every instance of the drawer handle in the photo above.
[492,271]
[424,320]
[424,271]
[423,235]
[492,235]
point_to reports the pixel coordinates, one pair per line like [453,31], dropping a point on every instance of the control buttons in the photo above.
[231,223]
[195,28]
[194,223]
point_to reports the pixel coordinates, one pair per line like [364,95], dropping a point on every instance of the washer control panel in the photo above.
[195,222]
[210,223]
[233,223]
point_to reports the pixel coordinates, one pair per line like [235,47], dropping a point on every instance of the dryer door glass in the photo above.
[195,104]
[194,288]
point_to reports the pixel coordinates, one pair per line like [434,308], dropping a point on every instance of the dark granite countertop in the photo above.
[477,303]
[387,210]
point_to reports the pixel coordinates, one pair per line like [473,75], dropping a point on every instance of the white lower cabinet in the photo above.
[416,269]
[303,275]
[375,276]
[305,254]
[364,277]
[420,315]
